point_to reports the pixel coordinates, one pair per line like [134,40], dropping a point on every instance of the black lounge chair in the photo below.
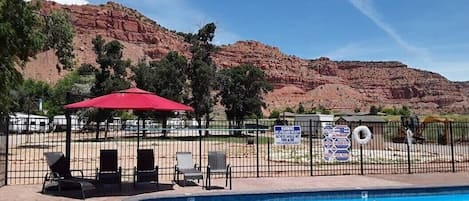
[146,171]
[185,167]
[217,165]
[61,175]
[109,173]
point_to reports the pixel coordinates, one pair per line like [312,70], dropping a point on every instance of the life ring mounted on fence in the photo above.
[356,134]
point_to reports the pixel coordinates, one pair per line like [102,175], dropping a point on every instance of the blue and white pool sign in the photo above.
[336,143]
[287,135]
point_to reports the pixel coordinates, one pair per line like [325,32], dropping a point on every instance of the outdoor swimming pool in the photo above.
[460,193]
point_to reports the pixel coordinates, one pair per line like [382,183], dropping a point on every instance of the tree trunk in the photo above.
[207,124]
[164,125]
[107,129]
[97,130]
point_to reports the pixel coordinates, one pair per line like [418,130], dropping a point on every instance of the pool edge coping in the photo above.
[302,190]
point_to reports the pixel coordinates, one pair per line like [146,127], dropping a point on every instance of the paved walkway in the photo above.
[244,185]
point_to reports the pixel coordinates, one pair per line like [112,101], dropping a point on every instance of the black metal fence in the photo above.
[3,151]
[251,148]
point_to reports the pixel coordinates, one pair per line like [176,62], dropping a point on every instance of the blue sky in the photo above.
[426,34]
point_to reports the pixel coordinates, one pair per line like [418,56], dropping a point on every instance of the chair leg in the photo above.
[231,182]
[82,191]
[226,179]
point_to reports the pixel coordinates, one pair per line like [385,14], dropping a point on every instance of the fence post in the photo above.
[409,170]
[200,147]
[268,156]
[68,137]
[361,151]
[361,159]
[311,147]
[7,125]
[138,132]
[257,146]
[452,146]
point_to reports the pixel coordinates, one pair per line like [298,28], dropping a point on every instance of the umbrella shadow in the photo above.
[111,190]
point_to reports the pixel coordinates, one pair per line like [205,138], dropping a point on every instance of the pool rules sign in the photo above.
[287,135]
[336,143]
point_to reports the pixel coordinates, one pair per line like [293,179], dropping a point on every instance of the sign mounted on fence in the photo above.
[336,143]
[287,135]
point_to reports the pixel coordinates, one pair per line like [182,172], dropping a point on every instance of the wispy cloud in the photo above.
[356,50]
[366,7]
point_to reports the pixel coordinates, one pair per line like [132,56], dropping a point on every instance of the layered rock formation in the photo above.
[337,85]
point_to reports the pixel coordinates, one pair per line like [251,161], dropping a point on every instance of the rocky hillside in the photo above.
[337,85]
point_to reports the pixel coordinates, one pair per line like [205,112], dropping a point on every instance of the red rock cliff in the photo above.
[337,85]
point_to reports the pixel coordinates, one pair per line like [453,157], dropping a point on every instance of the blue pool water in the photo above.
[407,194]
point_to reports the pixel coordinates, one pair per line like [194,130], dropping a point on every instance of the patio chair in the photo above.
[61,175]
[217,165]
[185,167]
[146,171]
[109,173]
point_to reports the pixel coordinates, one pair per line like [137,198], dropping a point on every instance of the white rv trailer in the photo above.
[21,123]
[318,121]
[60,123]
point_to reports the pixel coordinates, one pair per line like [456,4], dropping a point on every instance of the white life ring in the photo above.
[356,134]
[410,136]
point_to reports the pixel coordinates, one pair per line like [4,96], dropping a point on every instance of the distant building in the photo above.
[376,124]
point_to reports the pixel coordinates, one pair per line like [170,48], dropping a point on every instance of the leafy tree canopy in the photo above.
[241,90]
[24,32]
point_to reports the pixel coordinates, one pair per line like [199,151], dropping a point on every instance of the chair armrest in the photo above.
[80,171]
[120,171]
[52,176]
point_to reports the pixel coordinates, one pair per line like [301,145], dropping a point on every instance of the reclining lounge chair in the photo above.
[61,174]
[146,171]
[185,167]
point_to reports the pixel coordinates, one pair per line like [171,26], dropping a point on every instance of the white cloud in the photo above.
[366,7]
[72,2]
[354,51]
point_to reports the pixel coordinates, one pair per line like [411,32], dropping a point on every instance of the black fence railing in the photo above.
[3,151]
[251,149]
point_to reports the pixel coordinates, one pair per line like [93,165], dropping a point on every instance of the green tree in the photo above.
[274,114]
[28,94]
[166,77]
[301,109]
[23,34]
[288,109]
[109,77]
[241,90]
[201,72]
[356,110]
[78,83]
[374,110]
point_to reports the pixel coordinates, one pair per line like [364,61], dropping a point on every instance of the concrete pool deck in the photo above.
[243,185]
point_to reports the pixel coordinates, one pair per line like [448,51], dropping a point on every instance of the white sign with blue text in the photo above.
[287,135]
[336,143]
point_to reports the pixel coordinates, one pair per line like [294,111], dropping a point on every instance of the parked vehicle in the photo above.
[59,123]
[28,123]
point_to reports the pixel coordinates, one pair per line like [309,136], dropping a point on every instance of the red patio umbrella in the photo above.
[131,99]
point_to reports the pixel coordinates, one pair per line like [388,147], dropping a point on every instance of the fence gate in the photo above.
[3,150]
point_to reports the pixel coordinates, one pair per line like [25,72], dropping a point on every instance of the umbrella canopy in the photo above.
[131,99]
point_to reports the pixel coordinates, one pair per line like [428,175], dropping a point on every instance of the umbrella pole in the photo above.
[138,133]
